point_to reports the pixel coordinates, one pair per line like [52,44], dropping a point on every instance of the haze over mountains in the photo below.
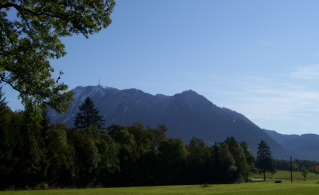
[306,144]
[186,114]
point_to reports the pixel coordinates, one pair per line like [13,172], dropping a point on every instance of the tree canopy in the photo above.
[264,158]
[30,39]
[88,115]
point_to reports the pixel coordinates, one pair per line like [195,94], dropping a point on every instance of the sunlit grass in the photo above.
[286,176]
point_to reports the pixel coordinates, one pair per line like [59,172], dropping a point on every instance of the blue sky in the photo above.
[259,58]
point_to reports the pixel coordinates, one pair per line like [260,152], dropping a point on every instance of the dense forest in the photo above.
[40,154]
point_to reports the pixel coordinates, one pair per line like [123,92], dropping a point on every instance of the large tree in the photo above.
[264,159]
[172,156]
[239,156]
[199,160]
[88,115]
[32,37]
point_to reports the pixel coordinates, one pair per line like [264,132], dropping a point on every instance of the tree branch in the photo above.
[7,5]
[19,8]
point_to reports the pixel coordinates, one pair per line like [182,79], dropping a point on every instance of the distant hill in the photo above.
[186,114]
[306,144]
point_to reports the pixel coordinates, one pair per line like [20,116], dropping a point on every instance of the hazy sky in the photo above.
[259,58]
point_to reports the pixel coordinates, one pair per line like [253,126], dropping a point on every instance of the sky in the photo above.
[258,58]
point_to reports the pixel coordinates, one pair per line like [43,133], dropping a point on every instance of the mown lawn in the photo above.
[298,186]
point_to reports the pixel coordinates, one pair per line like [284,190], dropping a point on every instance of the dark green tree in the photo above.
[264,159]
[128,154]
[199,156]
[224,169]
[304,172]
[172,156]
[11,146]
[29,40]
[142,170]
[142,138]
[250,159]
[7,142]
[109,163]
[239,156]
[87,156]
[88,115]
[159,134]
[60,154]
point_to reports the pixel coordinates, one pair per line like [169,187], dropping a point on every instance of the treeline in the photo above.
[297,164]
[42,154]
[35,154]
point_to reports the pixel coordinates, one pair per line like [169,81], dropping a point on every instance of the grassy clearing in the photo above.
[285,176]
[298,186]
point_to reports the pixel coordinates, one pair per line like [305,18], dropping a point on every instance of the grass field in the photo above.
[298,186]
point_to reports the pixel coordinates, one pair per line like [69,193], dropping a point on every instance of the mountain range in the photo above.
[306,144]
[186,114]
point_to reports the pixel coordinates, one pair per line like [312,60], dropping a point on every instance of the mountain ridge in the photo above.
[308,144]
[187,114]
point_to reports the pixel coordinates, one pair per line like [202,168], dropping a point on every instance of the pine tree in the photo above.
[88,115]
[264,159]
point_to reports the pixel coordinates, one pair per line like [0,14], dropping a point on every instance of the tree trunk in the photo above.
[264,174]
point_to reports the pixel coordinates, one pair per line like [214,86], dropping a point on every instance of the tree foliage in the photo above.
[199,161]
[45,154]
[88,115]
[7,142]
[32,37]
[264,159]
[285,165]
[250,159]
[304,172]
[239,156]
[172,158]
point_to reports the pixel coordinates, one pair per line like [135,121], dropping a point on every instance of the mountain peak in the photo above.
[188,92]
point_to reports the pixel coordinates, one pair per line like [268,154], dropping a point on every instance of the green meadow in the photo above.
[298,186]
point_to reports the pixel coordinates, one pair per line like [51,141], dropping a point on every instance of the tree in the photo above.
[88,115]
[239,156]
[264,159]
[224,168]
[199,156]
[143,170]
[128,153]
[30,39]
[87,156]
[304,172]
[35,160]
[172,156]
[60,154]
[250,159]
[7,142]
[109,163]
[295,167]
[159,134]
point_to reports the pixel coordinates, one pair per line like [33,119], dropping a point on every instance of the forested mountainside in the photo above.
[186,114]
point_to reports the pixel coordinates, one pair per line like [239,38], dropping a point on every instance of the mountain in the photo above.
[186,114]
[307,144]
